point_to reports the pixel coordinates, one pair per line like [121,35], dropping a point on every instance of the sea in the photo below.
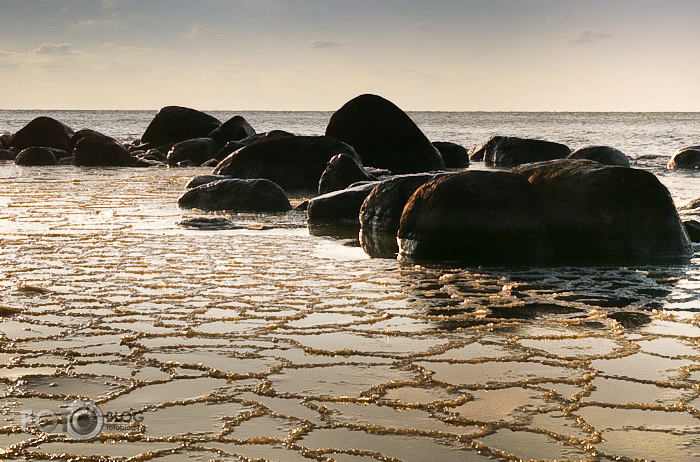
[125,335]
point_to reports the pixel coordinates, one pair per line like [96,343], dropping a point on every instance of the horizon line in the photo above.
[618,111]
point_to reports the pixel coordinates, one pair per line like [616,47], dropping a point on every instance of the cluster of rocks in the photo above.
[378,175]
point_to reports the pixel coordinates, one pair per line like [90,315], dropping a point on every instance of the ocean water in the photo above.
[268,343]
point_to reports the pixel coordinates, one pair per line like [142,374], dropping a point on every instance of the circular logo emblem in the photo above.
[85,420]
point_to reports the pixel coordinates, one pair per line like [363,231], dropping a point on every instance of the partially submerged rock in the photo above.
[173,124]
[685,158]
[604,154]
[204,179]
[43,132]
[103,151]
[340,172]
[234,129]
[477,218]
[384,136]
[510,151]
[454,155]
[293,162]
[607,214]
[239,195]
[380,214]
[196,150]
[39,156]
[340,208]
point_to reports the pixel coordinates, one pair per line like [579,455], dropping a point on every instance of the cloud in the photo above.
[197,29]
[557,18]
[318,44]
[109,4]
[588,36]
[90,23]
[53,49]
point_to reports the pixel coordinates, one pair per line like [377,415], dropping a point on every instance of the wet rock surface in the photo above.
[239,195]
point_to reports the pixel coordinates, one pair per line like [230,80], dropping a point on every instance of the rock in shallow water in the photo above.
[598,213]
[293,162]
[478,217]
[604,154]
[685,158]
[340,208]
[39,156]
[380,213]
[101,150]
[384,136]
[509,151]
[43,132]
[341,171]
[454,155]
[239,195]
[173,124]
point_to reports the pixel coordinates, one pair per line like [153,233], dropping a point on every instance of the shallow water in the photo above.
[280,345]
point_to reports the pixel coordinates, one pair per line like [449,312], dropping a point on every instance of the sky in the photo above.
[437,55]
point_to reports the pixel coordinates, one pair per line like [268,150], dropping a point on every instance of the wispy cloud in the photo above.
[109,4]
[557,18]
[318,44]
[53,49]
[197,29]
[587,36]
[92,23]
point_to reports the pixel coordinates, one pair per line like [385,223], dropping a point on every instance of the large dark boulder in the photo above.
[293,162]
[604,154]
[510,151]
[685,158]
[475,218]
[173,124]
[341,208]
[249,195]
[196,150]
[341,171]
[380,214]
[39,156]
[234,129]
[599,214]
[454,155]
[384,136]
[45,132]
[103,151]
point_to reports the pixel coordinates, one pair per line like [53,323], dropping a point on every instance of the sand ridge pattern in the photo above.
[276,345]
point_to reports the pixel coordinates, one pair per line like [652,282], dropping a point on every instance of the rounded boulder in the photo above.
[44,132]
[173,124]
[475,218]
[38,156]
[604,154]
[341,171]
[103,151]
[384,136]
[239,195]
[601,214]
[293,162]
[685,158]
